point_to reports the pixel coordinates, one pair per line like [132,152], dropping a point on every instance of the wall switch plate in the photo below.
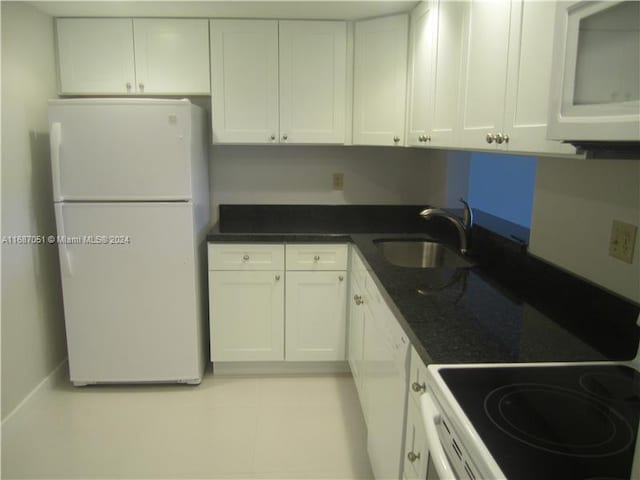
[623,241]
[338,181]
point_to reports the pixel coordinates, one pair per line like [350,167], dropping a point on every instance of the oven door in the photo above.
[439,466]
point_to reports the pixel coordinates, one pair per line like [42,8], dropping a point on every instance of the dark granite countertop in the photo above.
[510,307]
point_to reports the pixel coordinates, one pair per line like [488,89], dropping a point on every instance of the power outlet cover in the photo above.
[338,181]
[623,241]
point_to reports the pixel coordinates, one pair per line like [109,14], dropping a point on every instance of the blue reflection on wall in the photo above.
[503,185]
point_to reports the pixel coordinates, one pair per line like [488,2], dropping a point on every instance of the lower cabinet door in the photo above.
[316,316]
[355,351]
[415,450]
[246,315]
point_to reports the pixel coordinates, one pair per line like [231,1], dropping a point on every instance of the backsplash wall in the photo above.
[574,205]
[303,175]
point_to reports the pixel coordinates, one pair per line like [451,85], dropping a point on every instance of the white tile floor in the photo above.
[268,427]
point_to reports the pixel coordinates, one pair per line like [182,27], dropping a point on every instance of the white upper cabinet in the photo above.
[506,67]
[95,55]
[484,72]
[380,72]
[278,82]
[420,99]
[102,56]
[312,81]
[172,55]
[244,81]
[434,73]
[446,72]
[528,79]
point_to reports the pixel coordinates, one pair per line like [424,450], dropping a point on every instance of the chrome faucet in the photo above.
[463,226]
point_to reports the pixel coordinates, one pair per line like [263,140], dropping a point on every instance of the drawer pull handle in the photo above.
[316,258]
[413,456]
[245,258]
[418,387]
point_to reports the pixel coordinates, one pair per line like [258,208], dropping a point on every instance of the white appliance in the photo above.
[130,190]
[531,421]
[595,79]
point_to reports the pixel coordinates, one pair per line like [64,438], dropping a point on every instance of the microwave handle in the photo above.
[431,417]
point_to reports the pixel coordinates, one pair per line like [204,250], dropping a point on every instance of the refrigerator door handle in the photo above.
[55,140]
[62,243]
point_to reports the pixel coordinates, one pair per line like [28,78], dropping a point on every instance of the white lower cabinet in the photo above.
[251,312]
[416,454]
[315,316]
[377,355]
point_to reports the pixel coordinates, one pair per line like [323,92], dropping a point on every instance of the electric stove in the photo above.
[535,421]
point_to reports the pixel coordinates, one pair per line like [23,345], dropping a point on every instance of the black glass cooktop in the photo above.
[553,422]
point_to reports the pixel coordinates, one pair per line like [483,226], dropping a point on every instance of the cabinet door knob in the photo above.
[341,278]
[421,138]
[128,86]
[141,86]
[413,456]
[272,137]
[490,137]
[316,258]
[499,138]
[277,277]
[506,138]
[418,387]
[358,299]
[245,258]
[396,139]
[427,138]
[285,137]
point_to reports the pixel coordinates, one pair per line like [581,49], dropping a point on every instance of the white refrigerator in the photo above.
[131,197]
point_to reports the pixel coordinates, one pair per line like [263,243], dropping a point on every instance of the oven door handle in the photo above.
[431,418]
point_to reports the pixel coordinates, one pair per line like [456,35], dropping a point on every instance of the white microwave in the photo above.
[595,79]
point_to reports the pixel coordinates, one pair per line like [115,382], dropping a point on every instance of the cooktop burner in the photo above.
[565,422]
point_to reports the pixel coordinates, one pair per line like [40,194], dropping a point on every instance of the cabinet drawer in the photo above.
[316,257]
[228,256]
[417,376]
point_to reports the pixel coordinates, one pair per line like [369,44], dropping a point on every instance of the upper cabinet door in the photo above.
[528,79]
[172,55]
[380,73]
[312,81]
[244,81]
[484,72]
[95,55]
[447,67]
[422,40]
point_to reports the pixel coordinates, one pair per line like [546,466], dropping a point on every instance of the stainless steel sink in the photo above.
[421,254]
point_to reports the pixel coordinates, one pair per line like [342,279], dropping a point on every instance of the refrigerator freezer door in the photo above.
[130,300]
[120,149]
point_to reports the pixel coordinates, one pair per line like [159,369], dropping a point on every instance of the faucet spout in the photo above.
[463,226]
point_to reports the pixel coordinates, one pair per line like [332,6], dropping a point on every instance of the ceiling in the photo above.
[304,9]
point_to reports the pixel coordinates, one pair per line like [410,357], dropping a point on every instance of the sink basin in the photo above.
[421,254]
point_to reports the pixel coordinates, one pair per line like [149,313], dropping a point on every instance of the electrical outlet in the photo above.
[623,241]
[338,181]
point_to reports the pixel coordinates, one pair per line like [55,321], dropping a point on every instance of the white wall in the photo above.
[574,204]
[33,341]
[303,175]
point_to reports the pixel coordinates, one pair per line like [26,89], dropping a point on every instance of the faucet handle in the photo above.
[467,216]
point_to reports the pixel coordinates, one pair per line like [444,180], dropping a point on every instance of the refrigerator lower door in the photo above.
[130,284]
